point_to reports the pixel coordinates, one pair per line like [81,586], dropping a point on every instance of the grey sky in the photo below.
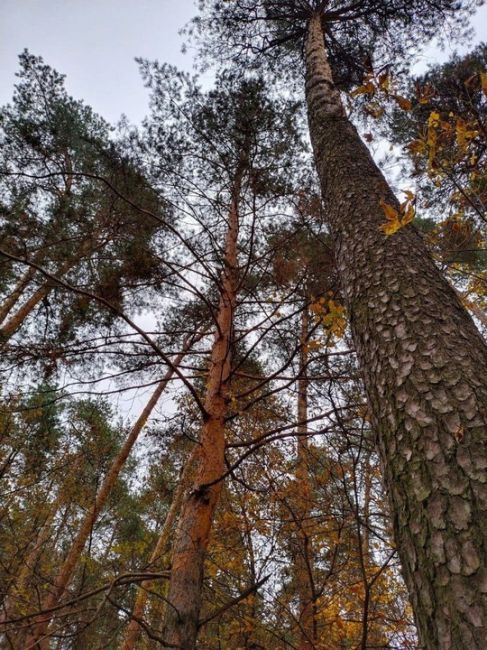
[94,43]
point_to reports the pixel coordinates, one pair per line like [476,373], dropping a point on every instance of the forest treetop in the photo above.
[359,34]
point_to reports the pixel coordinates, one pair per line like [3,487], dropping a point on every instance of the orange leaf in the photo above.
[402,102]
[389,210]
[365,89]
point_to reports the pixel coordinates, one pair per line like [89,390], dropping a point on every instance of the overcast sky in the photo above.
[94,42]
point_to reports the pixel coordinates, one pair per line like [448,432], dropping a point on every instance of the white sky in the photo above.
[94,42]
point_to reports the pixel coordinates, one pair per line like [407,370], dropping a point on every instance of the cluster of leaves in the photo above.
[443,136]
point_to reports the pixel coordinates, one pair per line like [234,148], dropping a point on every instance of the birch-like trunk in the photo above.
[425,368]
[192,535]
[66,571]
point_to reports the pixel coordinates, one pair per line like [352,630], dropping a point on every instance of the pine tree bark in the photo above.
[15,321]
[192,535]
[424,366]
[11,300]
[133,629]
[10,327]
[39,633]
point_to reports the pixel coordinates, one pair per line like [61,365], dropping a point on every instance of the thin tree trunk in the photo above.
[133,630]
[16,320]
[249,636]
[13,323]
[66,571]
[362,521]
[304,551]
[20,586]
[192,536]
[10,302]
[424,366]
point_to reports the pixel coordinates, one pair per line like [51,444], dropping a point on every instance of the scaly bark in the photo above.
[192,536]
[63,578]
[424,366]
[133,629]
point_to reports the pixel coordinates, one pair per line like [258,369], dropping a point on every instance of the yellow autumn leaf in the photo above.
[398,219]
[409,214]
[390,227]
[434,119]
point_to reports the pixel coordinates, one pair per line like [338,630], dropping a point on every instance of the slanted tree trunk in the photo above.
[63,578]
[192,535]
[11,300]
[425,368]
[20,586]
[15,321]
[23,594]
[303,561]
[133,629]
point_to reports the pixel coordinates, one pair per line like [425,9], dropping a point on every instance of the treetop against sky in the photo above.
[94,43]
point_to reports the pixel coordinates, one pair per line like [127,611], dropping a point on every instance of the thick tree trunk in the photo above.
[304,544]
[425,368]
[192,536]
[133,629]
[66,571]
